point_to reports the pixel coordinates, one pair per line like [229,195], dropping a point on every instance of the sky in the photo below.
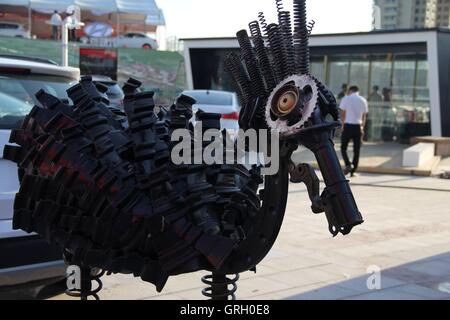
[223,18]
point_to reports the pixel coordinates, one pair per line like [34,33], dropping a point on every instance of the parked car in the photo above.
[128,40]
[13,29]
[137,40]
[25,258]
[223,102]
[114,93]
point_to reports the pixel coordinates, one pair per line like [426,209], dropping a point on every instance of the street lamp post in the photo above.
[64,43]
[72,21]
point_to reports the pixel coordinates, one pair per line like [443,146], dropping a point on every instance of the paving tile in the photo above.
[294,291]
[333,292]
[360,284]
[444,287]
[422,291]
[445,258]
[304,277]
[293,263]
[433,268]
[259,286]
[164,297]
[261,271]
[388,294]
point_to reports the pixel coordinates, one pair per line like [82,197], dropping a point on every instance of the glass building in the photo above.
[404,75]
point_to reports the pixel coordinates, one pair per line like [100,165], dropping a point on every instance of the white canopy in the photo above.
[144,7]
[59,5]
[107,6]
[156,19]
[15,2]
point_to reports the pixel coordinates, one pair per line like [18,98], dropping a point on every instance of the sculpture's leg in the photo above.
[85,291]
[219,286]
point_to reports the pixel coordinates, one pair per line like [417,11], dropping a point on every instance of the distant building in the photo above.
[411,14]
[410,69]
[122,15]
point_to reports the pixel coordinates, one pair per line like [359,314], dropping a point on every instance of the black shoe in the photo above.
[347,170]
[353,173]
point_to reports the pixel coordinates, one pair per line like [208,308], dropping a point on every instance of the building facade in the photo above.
[411,14]
[405,76]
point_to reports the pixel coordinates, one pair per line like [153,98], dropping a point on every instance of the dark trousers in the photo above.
[352,132]
[55,33]
[72,34]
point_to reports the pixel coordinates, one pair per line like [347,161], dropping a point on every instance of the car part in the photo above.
[101,184]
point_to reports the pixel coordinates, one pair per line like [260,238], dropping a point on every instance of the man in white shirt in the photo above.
[72,22]
[354,111]
[55,21]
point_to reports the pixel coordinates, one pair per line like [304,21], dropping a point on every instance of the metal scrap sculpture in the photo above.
[100,183]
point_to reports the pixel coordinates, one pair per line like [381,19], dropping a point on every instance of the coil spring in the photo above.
[256,79]
[278,51]
[301,46]
[279,5]
[284,19]
[219,287]
[87,277]
[310,26]
[241,81]
[262,55]
[263,23]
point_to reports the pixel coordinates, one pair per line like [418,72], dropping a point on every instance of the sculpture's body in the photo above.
[100,183]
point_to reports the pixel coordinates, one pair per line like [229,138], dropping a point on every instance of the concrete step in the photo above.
[426,170]
[419,154]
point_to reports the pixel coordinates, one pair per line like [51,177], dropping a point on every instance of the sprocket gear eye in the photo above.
[285,100]
[291,104]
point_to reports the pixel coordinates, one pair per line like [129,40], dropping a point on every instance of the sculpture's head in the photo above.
[274,83]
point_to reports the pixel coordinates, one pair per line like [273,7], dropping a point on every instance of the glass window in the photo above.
[114,91]
[338,76]
[18,95]
[215,98]
[381,73]
[12,111]
[396,87]
[318,68]
[410,81]
[381,114]
[403,79]
[422,87]
[359,71]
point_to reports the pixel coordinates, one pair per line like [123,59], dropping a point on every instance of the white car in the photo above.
[128,40]
[12,29]
[223,102]
[25,258]
[137,40]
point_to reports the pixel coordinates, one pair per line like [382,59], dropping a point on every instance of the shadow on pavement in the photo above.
[419,280]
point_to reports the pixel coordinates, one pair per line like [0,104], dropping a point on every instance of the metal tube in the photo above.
[117,25]
[29,18]
[64,44]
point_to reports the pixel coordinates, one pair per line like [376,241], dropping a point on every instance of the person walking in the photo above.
[72,23]
[343,92]
[376,110]
[354,109]
[376,96]
[55,21]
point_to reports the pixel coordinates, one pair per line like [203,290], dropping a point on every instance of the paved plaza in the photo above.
[406,235]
